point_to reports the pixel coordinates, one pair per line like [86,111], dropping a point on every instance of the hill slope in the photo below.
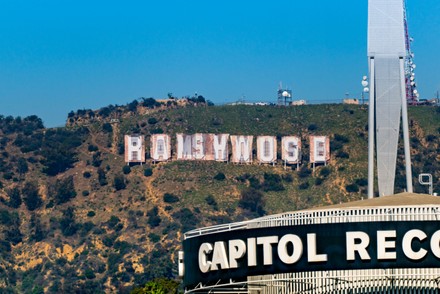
[75,218]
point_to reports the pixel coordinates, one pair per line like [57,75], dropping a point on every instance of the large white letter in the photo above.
[360,247]
[383,245]
[219,256]
[266,149]
[267,248]
[184,146]
[406,244]
[204,263]
[221,147]
[290,149]
[312,255]
[241,149]
[198,146]
[435,244]
[252,252]
[297,249]
[237,249]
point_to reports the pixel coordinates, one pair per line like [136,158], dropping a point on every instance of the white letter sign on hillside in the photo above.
[267,149]
[319,149]
[184,147]
[134,148]
[290,149]
[220,144]
[160,147]
[241,149]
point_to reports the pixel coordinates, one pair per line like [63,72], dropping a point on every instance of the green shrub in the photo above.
[153,217]
[210,200]
[87,174]
[352,188]
[342,154]
[170,198]
[252,200]
[102,179]
[14,198]
[113,221]
[153,237]
[272,182]
[304,186]
[220,176]
[126,169]
[63,190]
[92,148]
[312,127]
[31,196]
[68,225]
[91,213]
[148,172]
[152,121]
[85,193]
[119,182]
[318,181]
[362,182]
[304,172]
[325,171]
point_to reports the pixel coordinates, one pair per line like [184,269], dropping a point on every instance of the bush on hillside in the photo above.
[31,196]
[153,217]
[119,182]
[148,172]
[152,121]
[170,198]
[220,176]
[325,172]
[210,200]
[126,169]
[352,188]
[252,200]
[272,182]
[68,225]
[14,197]
[63,190]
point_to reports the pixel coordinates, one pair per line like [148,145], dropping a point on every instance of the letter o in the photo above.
[297,249]
[435,244]
[407,242]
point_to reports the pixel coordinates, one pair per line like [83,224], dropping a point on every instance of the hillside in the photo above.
[75,218]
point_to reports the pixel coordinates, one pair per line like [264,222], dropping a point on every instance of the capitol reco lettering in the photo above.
[240,253]
[215,256]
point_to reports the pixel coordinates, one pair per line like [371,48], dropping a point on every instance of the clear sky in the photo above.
[58,56]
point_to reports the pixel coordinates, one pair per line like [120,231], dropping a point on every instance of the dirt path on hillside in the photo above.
[115,136]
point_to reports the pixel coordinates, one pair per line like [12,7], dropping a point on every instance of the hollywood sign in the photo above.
[215,147]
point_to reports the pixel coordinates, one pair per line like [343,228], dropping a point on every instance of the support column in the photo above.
[371,131]
[405,128]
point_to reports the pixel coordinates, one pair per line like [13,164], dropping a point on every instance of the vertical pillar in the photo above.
[371,131]
[405,128]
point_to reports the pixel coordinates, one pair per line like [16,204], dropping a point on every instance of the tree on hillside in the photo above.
[158,286]
[31,197]
[14,197]
[63,190]
[68,225]
[22,166]
[252,200]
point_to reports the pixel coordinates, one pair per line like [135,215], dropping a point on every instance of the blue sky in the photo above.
[58,56]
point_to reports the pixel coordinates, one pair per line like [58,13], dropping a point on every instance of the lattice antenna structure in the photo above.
[412,94]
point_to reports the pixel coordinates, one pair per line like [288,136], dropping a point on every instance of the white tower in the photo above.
[386,54]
